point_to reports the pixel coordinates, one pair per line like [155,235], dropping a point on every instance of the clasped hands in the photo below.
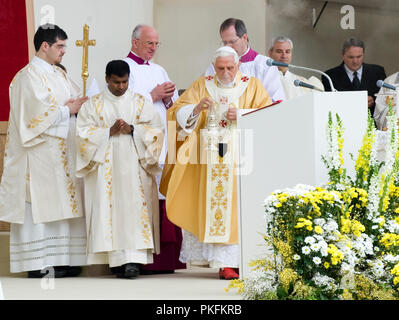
[120,127]
[207,102]
[163,91]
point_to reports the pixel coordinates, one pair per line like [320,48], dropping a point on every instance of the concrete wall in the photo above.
[321,47]
[189,32]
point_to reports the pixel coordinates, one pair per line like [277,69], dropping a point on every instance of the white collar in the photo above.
[40,63]
[286,75]
[113,97]
[350,72]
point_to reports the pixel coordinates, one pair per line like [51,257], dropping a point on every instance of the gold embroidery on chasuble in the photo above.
[220,167]
[108,187]
[71,185]
[33,123]
[145,223]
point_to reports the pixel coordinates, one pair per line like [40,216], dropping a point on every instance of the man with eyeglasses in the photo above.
[39,193]
[152,81]
[233,33]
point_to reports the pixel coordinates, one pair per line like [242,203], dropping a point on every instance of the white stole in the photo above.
[220,170]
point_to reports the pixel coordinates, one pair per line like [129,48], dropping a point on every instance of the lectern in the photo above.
[281,146]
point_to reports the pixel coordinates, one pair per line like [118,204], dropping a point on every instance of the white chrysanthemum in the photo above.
[296,257]
[310,240]
[323,281]
[319,222]
[306,250]
[315,247]
[331,226]
[316,260]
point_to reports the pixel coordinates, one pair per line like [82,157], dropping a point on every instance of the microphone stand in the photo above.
[317,71]
[271,62]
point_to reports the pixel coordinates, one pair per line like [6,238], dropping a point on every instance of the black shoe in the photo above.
[131,270]
[73,271]
[120,270]
[50,272]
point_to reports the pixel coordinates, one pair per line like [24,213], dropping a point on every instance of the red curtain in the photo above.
[13,47]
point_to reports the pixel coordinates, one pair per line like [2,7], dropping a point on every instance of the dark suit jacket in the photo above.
[370,75]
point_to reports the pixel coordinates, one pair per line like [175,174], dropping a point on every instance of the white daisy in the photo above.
[315,247]
[310,240]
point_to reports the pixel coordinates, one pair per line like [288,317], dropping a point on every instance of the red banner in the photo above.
[13,47]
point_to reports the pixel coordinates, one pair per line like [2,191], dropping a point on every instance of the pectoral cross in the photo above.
[85,43]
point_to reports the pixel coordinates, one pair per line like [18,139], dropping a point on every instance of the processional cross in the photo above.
[85,43]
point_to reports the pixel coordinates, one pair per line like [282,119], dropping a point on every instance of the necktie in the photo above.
[356,81]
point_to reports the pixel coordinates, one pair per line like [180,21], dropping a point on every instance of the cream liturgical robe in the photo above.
[119,173]
[39,193]
[38,162]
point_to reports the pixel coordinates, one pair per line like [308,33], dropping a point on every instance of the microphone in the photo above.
[299,83]
[271,62]
[383,84]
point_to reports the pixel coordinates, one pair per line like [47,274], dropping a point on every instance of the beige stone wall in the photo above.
[189,33]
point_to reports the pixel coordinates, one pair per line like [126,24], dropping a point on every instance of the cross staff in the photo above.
[85,43]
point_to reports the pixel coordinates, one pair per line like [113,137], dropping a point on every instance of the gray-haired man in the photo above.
[355,75]
[281,51]
[152,81]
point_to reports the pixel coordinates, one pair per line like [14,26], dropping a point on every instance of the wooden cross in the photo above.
[85,43]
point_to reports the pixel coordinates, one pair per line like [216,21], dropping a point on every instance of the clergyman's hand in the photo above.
[204,104]
[231,114]
[125,127]
[116,128]
[370,101]
[163,91]
[74,105]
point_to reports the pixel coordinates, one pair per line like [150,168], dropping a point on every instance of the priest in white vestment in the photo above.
[200,184]
[120,136]
[39,193]
[152,81]
[233,33]
[281,51]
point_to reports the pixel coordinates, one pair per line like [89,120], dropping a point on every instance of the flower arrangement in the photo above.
[339,240]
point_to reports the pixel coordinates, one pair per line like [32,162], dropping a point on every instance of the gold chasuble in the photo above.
[199,179]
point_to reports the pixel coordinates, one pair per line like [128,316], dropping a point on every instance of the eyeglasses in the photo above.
[229,43]
[58,46]
[151,43]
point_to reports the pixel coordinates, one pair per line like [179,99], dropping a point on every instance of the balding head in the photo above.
[145,41]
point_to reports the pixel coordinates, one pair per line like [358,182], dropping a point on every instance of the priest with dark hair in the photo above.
[120,137]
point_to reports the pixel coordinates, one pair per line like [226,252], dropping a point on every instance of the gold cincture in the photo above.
[85,43]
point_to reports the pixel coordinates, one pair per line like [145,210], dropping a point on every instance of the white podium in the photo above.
[281,146]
